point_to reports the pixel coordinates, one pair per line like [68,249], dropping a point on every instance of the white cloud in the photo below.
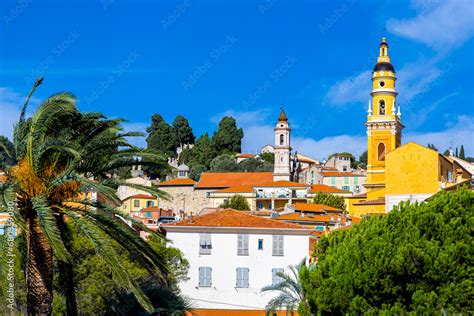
[244,118]
[11,103]
[352,89]
[441,25]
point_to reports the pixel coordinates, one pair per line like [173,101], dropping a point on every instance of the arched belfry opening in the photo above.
[381,152]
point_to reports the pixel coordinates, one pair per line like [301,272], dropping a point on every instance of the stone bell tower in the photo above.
[282,169]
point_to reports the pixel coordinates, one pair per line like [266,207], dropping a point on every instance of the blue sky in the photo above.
[206,59]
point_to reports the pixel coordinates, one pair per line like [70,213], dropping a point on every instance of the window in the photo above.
[382,107]
[344,168]
[381,152]
[346,187]
[242,279]
[148,214]
[312,174]
[2,229]
[182,173]
[136,203]
[277,245]
[282,139]
[260,244]
[356,180]
[242,245]
[124,206]
[259,205]
[333,180]
[346,180]
[205,276]
[205,244]
[450,176]
[150,203]
[275,277]
[269,206]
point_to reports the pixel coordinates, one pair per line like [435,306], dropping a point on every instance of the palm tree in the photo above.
[291,293]
[59,154]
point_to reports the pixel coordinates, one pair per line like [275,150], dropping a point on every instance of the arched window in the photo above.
[282,139]
[381,152]
[383,51]
[382,107]
[281,158]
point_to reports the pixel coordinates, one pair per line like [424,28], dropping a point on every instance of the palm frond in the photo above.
[105,250]
[49,226]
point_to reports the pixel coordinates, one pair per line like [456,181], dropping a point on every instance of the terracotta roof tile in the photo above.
[315,188]
[3,178]
[210,180]
[233,218]
[178,182]
[237,189]
[245,155]
[140,196]
[311,218]
[310,207]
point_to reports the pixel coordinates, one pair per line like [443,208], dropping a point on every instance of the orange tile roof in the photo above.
[282,183]
[310,218]
[310,207]
[245,155]
[233,218]
[340,174]
[3,178]
[211,180]
[306,159]
[237,189]
[315,188]
[372,202]
[178,182]
[140,196]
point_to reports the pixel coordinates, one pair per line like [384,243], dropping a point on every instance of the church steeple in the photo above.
[383,122]
[282,170]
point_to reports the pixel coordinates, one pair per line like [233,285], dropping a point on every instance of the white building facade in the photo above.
[230,265]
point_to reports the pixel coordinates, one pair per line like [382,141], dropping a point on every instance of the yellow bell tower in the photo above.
[384,127]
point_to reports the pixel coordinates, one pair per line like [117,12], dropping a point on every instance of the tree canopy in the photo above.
[418,258]
[237,202]
[6,149]
[228,138]
[162,136]
[224,163]
[328,199]
[184,132]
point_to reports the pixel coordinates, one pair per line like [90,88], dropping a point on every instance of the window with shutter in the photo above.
[205,244]
[277,245]
[205,276]
[242,245]
[242,278]
[275,277]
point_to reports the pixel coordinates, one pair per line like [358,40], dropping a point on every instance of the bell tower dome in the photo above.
[281,169]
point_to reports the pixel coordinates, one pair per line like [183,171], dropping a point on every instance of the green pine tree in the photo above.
[461,153]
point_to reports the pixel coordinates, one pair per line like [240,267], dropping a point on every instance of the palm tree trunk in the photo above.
[66,273]
[39,271]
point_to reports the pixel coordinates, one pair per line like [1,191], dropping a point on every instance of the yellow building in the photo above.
[398,173]
[137,202]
